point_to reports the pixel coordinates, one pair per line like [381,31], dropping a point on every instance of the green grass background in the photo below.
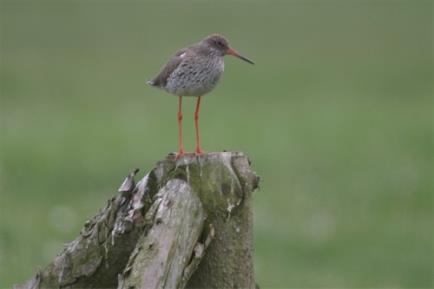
[337,117]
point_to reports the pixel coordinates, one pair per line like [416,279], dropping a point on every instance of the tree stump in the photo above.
[186,224]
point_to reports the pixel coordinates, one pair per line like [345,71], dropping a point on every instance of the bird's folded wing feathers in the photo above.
[161,79]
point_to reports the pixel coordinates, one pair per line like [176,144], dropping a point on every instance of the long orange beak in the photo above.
[233,52]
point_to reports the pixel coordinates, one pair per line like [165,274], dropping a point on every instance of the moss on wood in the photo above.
[187,223]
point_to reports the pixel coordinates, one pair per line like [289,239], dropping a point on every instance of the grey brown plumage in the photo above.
[194,70]
[161,79]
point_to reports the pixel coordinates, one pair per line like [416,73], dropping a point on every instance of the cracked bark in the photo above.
[186,224]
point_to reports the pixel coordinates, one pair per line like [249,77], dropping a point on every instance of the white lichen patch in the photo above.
[229,208]
[187,171]
[201,162]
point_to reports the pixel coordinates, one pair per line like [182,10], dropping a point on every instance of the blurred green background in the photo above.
[336,115]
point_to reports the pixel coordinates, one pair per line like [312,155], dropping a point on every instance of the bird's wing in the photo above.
[161,79]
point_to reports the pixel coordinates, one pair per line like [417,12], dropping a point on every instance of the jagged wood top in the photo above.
[222,181]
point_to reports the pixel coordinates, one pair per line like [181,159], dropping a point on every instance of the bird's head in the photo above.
[220,44]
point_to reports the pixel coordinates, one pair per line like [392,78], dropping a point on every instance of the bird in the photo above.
[194,71]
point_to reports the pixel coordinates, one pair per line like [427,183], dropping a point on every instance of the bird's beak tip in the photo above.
[233,52]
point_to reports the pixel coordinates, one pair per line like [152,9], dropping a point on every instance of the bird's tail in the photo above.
[151,82]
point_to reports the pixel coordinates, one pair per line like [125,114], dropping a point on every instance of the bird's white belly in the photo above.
[190,79]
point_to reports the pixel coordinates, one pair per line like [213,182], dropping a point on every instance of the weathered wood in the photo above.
[225,186]
[100,252]
[186,214]
[161,255]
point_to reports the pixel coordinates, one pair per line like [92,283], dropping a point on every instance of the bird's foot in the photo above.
[180,153]
[198,151]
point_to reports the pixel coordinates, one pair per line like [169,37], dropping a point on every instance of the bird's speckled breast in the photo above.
[195,76]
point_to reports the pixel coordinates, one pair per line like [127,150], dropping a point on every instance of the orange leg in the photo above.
[198,149]
[181,151]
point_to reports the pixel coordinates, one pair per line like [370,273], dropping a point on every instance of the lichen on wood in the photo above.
[186,224]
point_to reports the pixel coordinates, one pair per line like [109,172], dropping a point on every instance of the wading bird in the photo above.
[194,71]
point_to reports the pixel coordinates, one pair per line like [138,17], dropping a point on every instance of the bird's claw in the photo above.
[180,154]
[198,151]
